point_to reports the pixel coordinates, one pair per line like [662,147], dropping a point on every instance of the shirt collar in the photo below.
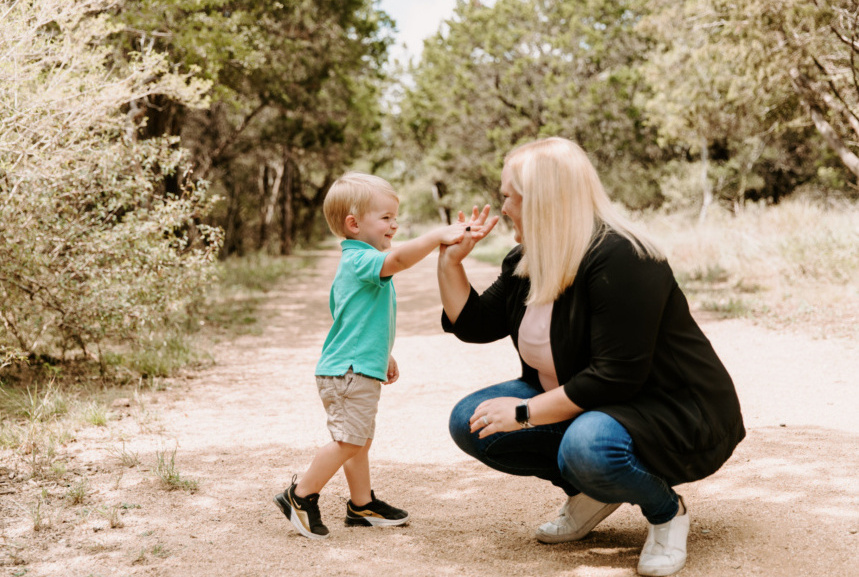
[352,243]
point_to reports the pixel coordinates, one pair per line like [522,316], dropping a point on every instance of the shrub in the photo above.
[98,233]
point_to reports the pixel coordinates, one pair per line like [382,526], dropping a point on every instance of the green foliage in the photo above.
[295,100]
[725,90]
[98,232]
[496,76]
[160,355]
[680,104]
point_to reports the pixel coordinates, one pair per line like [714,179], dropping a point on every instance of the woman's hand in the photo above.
[477,227]
[495,416]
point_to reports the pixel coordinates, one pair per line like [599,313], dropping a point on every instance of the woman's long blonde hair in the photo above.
[564,211]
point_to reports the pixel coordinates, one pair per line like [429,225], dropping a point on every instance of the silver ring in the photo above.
[485,422]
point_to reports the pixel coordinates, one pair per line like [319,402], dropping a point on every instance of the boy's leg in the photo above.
[301,505]
[357,471]
[364,509]
[325,464]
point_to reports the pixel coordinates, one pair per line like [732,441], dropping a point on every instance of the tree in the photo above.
[722,92]
[94,244]
[801,65]
[697,100]
[823,40]
[496,76]
[295,98]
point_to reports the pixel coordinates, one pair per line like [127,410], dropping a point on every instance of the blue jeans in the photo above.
[592,454]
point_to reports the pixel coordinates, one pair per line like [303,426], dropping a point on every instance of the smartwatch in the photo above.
[523,414]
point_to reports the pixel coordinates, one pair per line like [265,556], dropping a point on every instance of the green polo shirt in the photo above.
[364,307]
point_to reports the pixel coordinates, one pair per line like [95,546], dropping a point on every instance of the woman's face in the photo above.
[512,206]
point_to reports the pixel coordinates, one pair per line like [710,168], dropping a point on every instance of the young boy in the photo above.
[356,356]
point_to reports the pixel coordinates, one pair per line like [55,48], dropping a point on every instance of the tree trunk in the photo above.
[439,191]
[848,158]
[269,184]
[706,186]
[810,96]
[233,223]
[287,212]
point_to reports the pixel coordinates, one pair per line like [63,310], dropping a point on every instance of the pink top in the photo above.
[534,343]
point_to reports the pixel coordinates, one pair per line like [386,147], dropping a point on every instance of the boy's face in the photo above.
[378,225]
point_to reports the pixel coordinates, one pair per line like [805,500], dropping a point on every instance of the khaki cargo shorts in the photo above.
[351,402]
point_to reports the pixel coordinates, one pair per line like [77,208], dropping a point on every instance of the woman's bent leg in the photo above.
[527,452]
[597,456]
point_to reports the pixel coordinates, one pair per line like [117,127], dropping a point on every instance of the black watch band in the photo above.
[523,414]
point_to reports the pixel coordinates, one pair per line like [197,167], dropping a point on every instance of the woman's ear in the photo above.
[351,224]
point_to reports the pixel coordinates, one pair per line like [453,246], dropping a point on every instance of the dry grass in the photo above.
[791,265]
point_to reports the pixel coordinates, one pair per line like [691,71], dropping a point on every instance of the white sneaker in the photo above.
[664,552]
[579,515]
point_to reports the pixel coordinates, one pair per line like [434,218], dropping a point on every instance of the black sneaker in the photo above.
[302,512]
[376,513]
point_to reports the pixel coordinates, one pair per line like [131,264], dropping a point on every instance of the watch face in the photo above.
[522,413]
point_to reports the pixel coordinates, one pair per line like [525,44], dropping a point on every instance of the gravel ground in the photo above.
[786,503]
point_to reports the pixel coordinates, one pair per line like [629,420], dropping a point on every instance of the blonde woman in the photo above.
[621,395]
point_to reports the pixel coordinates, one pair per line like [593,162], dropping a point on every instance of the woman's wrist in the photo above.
[444,259]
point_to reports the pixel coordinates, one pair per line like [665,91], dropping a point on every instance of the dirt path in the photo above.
[786,504]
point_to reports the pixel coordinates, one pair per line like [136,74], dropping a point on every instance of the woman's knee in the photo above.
[459,426]
[592,449]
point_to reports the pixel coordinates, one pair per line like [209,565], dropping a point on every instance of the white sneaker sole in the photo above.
[375,522]
[296,522]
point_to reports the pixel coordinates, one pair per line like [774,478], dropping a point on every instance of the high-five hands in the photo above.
[477,228]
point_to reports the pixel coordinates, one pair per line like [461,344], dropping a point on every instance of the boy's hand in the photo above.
[479,225]
[452,234]
[393,371]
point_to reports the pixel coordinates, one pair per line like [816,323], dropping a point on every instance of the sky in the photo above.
[416,19]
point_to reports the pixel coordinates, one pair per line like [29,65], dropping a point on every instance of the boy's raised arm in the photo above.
[411,252]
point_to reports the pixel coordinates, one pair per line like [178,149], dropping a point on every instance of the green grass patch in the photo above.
[161,355]
[244,281]
[494,247]
[729,308]
[77,493]
[95,414]
[165,468]
[259,272]
[34,403]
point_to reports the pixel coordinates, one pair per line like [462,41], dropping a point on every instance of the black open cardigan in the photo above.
[624,342]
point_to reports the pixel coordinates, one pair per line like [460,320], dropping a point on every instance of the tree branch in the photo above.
[836,104]
[219,151]
[806,93]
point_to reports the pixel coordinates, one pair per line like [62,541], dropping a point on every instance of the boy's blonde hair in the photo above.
[352,194]
[564,211]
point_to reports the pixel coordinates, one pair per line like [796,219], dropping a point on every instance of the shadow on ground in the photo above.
[470,521]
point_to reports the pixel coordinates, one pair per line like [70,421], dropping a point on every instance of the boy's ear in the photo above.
[351,224]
